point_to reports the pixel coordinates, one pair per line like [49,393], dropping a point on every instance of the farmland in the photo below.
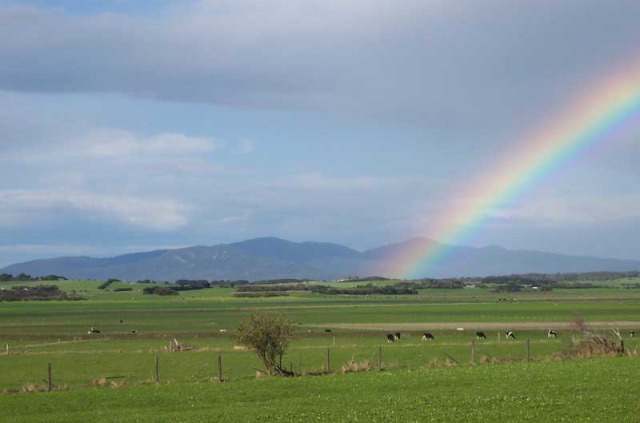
[347,327]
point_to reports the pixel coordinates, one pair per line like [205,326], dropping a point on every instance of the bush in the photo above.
[39,292]
[159,290]
[122,289]
[269,337]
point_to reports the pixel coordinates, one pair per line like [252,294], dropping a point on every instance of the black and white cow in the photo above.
[390,337]
[397,335]
[93,330]
[510,335]
[481,335]
[552,334]
[632,333]
[426,336]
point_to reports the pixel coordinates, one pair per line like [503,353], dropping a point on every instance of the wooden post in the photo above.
[300,364]
[473,352]
[498,337]
[157,370]
[328,362]
[219,368]
[379,357]
[48,377]
[7,349]
[528,350]
[334,341]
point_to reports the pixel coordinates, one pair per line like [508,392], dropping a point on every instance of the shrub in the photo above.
[269,337]
[159,290]
[121,289]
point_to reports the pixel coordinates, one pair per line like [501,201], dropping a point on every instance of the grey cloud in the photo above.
[437,63]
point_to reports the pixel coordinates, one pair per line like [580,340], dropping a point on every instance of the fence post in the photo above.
[48,377]
[328,362]
[219,368]
[334,341]
[528,350]
[379,357]
[7,349]
[473,351]
[300,364]
[157,378]
[498,337]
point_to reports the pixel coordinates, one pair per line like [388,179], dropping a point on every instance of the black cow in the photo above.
[510,335]
[390,337]
[327,330]
[427,336]
[632,333]
[93,330]
[397,335]
[552,334]
[481,335]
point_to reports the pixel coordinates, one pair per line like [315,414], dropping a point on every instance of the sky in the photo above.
[138,125]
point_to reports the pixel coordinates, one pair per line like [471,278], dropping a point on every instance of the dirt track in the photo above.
[476,325]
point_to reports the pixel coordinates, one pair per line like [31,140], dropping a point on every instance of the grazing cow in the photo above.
[427,336]
[510,335]
[93,330]
[134,331]
[632,333]
[390,337]
[328,330]
[552,334]
[223,330]
[397,335]
[481,335]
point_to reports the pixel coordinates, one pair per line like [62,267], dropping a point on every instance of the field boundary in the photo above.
[475,325]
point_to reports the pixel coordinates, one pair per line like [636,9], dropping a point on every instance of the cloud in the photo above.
[159,214]
[106,143]
[246,146]
[434,63]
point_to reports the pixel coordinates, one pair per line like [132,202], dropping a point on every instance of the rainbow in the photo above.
[603,113]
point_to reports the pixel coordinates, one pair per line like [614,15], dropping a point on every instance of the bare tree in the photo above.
[268,336]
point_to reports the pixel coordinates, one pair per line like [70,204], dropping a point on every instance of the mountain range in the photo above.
[272,258]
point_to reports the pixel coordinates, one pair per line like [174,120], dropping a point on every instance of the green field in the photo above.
[597,390]
[37,333]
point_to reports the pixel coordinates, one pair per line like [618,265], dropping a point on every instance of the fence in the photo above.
[164,367]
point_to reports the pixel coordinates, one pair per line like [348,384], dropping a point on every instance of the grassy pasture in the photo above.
[56,332]
[598,390]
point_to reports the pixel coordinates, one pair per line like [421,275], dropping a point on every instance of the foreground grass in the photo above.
[599,390]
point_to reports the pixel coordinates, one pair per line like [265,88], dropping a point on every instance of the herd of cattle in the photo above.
[426,336]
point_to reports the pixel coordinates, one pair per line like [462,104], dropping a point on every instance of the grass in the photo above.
[408,390]
[599,390]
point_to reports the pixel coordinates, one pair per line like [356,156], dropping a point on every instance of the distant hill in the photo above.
[271,258]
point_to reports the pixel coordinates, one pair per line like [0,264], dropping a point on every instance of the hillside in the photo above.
[268,258]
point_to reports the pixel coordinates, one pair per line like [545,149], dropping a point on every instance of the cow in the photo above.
[510,335]
[427,336]
[397,335]
[327,330]
[133,331]
[552,334]
[390,337]
[481,335]
[632,333]
[223,330]
[93,330]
